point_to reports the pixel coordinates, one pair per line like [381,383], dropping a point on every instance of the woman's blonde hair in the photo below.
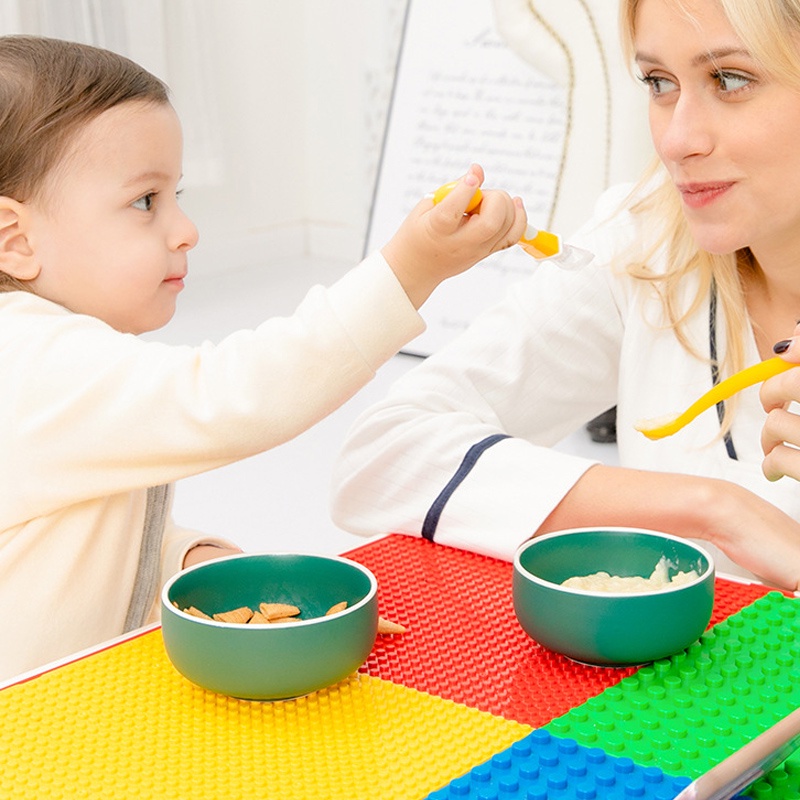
[49,89]
[770,29]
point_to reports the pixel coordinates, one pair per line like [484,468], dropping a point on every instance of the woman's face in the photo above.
[725,130]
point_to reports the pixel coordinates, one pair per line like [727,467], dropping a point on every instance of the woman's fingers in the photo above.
[780,440]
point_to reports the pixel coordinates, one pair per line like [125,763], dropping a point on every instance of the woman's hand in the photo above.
[755,534]
[780,437]
[748,529]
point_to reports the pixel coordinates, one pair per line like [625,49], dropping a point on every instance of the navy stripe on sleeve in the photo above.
[464,468]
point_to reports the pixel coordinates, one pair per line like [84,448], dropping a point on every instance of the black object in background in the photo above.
[603,428]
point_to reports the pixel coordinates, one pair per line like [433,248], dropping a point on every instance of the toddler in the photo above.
[96,423]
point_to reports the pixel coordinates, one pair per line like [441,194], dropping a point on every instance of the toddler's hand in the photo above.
[438,241]
[780,437]
[207,552]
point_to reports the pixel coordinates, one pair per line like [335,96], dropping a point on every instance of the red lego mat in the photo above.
[464,642]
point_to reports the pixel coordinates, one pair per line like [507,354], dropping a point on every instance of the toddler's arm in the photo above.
[439,241]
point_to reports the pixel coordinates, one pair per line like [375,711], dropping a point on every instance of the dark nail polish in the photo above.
[782,346]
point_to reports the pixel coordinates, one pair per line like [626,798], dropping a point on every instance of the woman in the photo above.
[696,275]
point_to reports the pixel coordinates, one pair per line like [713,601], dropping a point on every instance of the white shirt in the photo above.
[560,349]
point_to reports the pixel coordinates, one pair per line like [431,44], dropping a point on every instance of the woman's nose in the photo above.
[687,131]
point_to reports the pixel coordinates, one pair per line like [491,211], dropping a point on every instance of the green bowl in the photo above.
[604,628]
[279,660]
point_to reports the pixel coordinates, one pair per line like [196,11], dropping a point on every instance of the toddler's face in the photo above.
[109,235]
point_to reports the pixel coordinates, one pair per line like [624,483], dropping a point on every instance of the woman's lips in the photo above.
[699,195]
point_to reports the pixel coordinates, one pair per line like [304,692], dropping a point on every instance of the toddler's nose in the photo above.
[185,234]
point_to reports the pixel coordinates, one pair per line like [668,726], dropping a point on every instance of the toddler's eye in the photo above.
[145,203]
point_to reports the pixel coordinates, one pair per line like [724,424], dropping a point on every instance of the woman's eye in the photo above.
[145,203]
[658,84]
[732,81]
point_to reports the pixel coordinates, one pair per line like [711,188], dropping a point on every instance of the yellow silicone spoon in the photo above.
[539,244]
[665,426]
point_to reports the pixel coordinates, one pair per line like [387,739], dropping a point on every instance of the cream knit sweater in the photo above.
[91,418]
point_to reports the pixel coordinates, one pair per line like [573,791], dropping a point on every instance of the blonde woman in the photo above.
[697,273]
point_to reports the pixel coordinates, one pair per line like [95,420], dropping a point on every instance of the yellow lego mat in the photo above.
[125,724]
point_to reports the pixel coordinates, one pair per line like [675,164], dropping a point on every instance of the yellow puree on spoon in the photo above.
[660,427]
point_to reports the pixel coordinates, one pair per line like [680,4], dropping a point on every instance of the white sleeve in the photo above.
[98,412]
[460,450]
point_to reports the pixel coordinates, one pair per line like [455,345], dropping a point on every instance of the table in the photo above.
[464,705]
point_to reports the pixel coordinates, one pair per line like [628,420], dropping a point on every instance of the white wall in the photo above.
[351,58]
[283,104]
[299,92]
[253,210]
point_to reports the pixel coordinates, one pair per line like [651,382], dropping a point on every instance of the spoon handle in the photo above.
[539,244]
[749,763]
[722,391]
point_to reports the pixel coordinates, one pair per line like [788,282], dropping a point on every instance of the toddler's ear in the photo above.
[16,255]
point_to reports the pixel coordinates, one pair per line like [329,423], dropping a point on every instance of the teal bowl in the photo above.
[611,628]
[276,661]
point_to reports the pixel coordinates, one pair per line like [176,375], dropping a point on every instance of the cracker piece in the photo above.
[284,619]
[387,626]
[274,610]
[239,615]
[196,612]
[258,619]
[336,608]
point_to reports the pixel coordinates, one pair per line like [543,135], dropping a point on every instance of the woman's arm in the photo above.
[750,530]
[461,449]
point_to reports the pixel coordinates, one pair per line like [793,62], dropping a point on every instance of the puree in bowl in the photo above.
[604,582]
